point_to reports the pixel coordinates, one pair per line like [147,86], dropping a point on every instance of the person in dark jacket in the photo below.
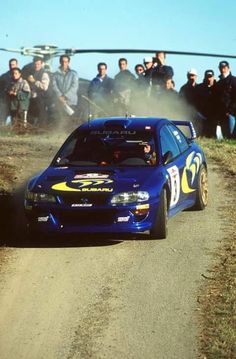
[226,100]
[124,79]
[140,81]
[188,97]
[124,84]
[206,103]
[188,90]
[5,80]
[100,91]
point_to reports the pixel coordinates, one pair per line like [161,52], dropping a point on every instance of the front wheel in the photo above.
[159,228]
[202,189]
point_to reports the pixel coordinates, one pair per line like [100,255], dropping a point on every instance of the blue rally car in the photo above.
[119,175]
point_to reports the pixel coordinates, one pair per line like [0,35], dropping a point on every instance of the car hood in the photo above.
[58,179]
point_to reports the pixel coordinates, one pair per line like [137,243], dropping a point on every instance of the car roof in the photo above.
[128,123]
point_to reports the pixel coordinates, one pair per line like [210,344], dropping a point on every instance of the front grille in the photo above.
[100,199]
[87,217]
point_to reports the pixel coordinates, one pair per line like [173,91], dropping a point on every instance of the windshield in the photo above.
[100,148]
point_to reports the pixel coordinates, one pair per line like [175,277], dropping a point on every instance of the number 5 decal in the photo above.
[174,185]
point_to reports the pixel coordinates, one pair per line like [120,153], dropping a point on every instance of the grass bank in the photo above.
[217,301]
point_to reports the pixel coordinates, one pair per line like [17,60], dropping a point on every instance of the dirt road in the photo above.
[108,298]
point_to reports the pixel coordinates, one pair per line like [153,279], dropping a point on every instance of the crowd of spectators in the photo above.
[37,96]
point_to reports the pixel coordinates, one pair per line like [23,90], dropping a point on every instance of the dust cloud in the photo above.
[167,105]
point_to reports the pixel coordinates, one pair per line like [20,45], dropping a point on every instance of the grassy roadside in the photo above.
[217,300]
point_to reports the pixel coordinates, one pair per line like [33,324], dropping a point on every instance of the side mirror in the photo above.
[167,157]
[62,161]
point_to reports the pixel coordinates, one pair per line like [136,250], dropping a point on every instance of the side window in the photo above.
[168,142]
[179,136]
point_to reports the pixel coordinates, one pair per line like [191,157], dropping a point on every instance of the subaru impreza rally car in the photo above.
[119,175]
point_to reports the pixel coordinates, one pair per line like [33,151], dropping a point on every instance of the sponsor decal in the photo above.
[84,185]
[191,168]
[177,136]
[123,219]
[174,185]
[43,219]
[81,205]
[91,175]
[114,132]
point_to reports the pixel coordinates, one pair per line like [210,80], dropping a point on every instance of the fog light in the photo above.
[141,210]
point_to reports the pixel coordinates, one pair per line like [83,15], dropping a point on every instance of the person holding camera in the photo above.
[161,71]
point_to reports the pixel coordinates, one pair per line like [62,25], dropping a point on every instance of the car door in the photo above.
[174,152]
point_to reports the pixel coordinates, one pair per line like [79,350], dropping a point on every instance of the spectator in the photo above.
[205,103]
[124,83]
[100,90]
[169,91]
[161,72]
[5,81]
[226,100]
[188,90]
[138,98]
[139,69]
[65,86]
[140,80]
[147,74]
[169,85]
[188,94]
[27,70]
[19,96]
[168,102]
[148,63]
[39,81]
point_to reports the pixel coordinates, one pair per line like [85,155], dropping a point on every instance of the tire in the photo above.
[159,229]
[202,190]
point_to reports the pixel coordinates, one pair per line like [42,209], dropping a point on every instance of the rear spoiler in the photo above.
[187,128]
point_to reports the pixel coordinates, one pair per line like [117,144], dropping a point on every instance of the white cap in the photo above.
[192,72]
[148,59]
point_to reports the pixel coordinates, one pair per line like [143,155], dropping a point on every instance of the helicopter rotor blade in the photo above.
[44,53]
[11,50]
[136,51]
[48,51]
[25,51]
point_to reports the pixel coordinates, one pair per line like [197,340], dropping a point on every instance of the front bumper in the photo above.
[100,219]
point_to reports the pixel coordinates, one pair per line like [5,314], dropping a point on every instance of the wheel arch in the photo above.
[168,194]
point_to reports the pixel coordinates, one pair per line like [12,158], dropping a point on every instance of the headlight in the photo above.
[39,197]
[130,197]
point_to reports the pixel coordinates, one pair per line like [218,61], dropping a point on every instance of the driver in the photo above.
[149,154]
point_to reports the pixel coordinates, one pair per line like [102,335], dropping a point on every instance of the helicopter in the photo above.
[48,52]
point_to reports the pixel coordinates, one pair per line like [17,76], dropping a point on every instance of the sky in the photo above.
[184,25]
